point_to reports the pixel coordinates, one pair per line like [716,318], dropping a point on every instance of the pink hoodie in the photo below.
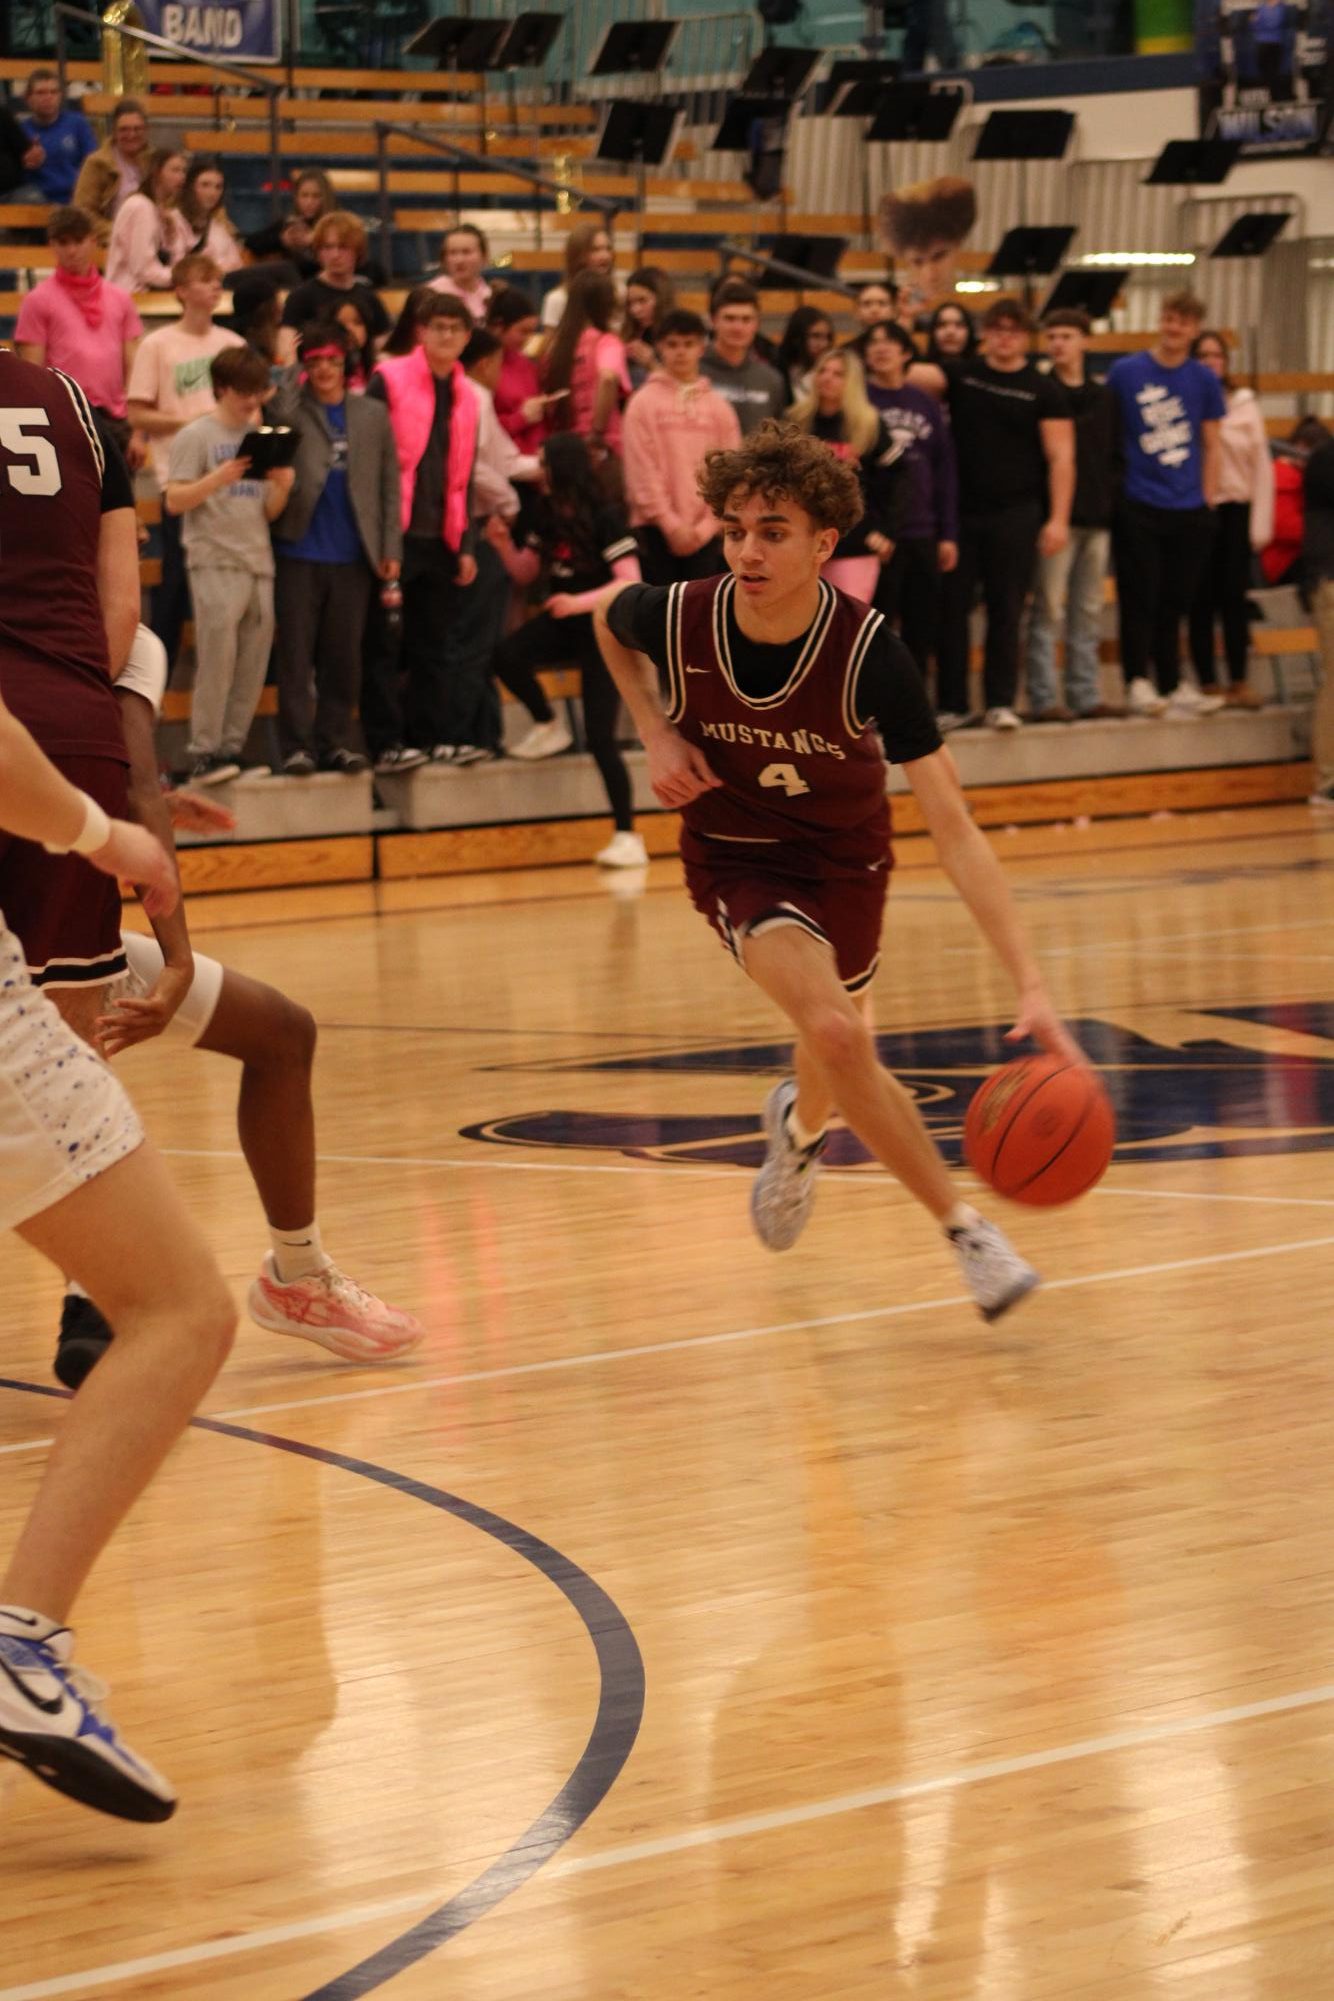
[668,429]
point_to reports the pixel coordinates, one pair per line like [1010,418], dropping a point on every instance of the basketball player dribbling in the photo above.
[79,1182]
[778,693]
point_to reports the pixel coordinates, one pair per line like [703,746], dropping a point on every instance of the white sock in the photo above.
[797,1133]
[297,1253]
[74,1290]
[961,1217]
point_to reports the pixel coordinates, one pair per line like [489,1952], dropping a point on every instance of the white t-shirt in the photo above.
[171,371]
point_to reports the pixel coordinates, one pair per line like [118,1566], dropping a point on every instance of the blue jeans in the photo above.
[1067,594]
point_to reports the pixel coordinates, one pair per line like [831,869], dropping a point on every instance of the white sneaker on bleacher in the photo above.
[544,740]
[1143,698]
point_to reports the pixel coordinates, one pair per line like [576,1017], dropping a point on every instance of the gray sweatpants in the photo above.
[233,638]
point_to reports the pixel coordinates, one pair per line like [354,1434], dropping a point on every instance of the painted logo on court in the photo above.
[1211,1084]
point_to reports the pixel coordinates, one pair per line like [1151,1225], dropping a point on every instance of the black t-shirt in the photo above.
[318,300]
[117,486]
[997,416]
[578,569]
[428,490]
[889,687]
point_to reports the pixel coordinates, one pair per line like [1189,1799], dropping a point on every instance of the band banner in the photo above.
[242,30]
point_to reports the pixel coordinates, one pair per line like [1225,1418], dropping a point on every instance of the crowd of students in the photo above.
[487,458]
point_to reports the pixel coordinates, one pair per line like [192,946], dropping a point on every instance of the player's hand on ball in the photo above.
[139,1018]
[133,855]
[1038,1018]
[678,771]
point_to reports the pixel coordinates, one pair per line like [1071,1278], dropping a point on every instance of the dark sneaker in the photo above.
[299,764]
[84,1338]
[50,1721]
[783,1190]
[348,762]
[472,753]
[399,757]
[212,770]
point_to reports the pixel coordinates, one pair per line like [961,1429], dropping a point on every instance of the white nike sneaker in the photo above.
[623,850]
[1143,699]
[1187,704]
[1002,719]
[50,1722]
[992,1268]
[332,1310]
[784,1189]
[544,740]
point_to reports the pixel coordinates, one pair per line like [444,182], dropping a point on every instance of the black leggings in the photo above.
[545,641]
[1222,595]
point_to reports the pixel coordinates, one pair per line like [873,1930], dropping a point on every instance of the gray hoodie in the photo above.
[754,390]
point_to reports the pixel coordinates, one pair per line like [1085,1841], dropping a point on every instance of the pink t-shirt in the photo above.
[475,301]
[49,318]
[171,371]
[597,354]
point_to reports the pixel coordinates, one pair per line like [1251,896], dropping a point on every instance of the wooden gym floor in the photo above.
[977,1665]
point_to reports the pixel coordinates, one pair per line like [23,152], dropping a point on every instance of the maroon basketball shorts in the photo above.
[742,899]
[65,914]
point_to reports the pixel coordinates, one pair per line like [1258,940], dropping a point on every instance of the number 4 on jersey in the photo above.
[787,776]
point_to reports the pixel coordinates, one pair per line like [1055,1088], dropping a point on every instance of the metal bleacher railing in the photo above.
[460,157]
[271,86]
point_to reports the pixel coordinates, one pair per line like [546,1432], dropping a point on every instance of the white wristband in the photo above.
[94,833]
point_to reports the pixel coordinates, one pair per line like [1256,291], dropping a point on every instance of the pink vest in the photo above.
[411,389]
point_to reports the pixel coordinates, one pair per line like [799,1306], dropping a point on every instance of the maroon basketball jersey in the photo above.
[53,648]
[800,768]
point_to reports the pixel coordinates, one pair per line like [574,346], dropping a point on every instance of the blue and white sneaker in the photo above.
[784,1188]
[50,1722]
[993,1270]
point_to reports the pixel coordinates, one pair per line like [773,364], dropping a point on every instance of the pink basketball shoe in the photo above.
[332,1310]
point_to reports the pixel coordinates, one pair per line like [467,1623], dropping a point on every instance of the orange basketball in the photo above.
[1041,1131]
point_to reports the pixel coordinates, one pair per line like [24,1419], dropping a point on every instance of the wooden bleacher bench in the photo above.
[365,111]
[354,144]
[24,215]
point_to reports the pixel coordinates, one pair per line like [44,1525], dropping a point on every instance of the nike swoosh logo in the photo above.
[20,1618]
[697,670]
[49,1706]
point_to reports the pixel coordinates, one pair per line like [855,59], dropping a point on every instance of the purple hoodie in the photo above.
[930,504]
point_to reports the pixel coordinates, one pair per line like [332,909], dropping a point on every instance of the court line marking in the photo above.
[606,1355]
[707,1837]
[195,1955]
[600,1358]
[964,1775]
[1138,945]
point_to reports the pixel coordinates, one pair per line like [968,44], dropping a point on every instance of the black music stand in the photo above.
[1191,163]
[1031,252]
[848,74]
[1025,135]
[748,123]
[639,134]
[1092,292]
[528,41]
[780,73]
[1252,234]
[634,47]
[458,42]
[915,111]
[817,254]
[863,92]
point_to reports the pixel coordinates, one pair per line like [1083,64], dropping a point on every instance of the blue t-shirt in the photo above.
[332,536]
[67,140]
[1161,411]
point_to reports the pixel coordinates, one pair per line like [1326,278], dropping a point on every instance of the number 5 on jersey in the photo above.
[43,475]
[785,776]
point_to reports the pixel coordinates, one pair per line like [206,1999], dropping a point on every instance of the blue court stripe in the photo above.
[615,1727]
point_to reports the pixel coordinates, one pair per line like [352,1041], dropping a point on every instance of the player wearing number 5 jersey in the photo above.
[778,693]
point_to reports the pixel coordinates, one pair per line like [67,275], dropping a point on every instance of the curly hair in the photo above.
[779,462]
[930,212]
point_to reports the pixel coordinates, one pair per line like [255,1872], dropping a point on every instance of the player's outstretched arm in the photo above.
[967,859]
[37,804]
[677,771]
